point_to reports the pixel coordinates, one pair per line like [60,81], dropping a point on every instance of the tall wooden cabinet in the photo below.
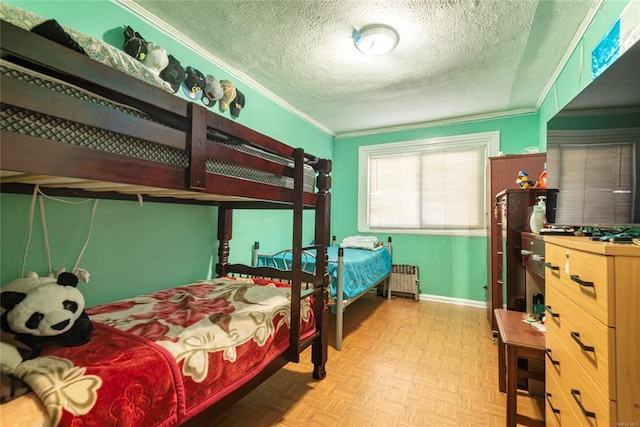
[593,332]
[513,209]
[502,174]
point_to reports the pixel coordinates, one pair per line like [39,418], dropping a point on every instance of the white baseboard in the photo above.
[455,301]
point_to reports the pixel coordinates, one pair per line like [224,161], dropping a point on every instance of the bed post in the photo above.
[319,348]
[296,285]
[225,225]
[197,145]
[388,279]
[339,299]
[256,252]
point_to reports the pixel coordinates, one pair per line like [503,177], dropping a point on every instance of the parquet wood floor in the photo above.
[403,363]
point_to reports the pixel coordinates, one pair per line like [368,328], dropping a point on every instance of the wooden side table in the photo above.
[516,339]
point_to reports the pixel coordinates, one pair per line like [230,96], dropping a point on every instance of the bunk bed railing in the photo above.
[80,70]
[165,120]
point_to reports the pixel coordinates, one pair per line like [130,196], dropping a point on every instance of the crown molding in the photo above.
[143,14]
[444,122]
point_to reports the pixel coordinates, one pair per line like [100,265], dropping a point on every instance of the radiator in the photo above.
[404,281]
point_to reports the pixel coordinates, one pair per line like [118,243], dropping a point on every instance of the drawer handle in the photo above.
[586,413]
[576,338]
[581,282]
[525,252]
[538,258]
[551,266]
[547,351]
[555,411]
[547,308]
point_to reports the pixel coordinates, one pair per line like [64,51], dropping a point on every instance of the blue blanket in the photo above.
[362,268]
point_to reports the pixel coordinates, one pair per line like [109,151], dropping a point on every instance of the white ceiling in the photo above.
[455,58]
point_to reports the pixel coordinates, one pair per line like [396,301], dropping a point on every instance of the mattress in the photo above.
[96,49]
[362,268]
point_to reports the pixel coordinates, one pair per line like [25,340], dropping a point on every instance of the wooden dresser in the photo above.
[593,332]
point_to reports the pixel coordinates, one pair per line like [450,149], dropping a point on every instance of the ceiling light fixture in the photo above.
[375,39]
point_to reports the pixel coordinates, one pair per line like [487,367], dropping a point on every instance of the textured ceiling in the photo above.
[455,58]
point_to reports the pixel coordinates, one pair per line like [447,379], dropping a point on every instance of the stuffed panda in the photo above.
[10,386]
[38,310]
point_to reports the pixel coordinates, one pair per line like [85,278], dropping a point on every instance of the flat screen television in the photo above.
[593,151]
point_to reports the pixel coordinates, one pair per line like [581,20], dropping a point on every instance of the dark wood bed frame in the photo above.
[179,124]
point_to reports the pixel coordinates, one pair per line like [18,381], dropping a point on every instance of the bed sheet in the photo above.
[96,49]
[362,268]
[161,358]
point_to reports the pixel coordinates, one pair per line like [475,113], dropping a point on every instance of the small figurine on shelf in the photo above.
[543,178]
[524,182]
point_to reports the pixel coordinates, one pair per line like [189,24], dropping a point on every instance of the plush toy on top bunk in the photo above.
[154,57]
[229,96]
[52,30]
[209,90]
[194,83]
[212,91]
[232,99]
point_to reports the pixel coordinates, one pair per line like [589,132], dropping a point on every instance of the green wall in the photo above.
[449,266]
[135,249]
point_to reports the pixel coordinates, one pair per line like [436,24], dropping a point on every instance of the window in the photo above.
[432,186]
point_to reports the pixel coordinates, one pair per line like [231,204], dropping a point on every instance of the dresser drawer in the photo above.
[585,403]
[533,254]
[585,278]
[577,338]
[557,409]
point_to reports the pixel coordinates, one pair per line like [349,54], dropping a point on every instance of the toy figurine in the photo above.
[524,182]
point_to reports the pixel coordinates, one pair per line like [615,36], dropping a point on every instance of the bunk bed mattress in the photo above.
[161,358]
[94,48]
[361,269]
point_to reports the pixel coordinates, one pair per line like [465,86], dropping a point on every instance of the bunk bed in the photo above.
[77,127]
[354,271]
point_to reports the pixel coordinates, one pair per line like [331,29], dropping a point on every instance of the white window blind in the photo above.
[429,186]
[596,179]
[394,184]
